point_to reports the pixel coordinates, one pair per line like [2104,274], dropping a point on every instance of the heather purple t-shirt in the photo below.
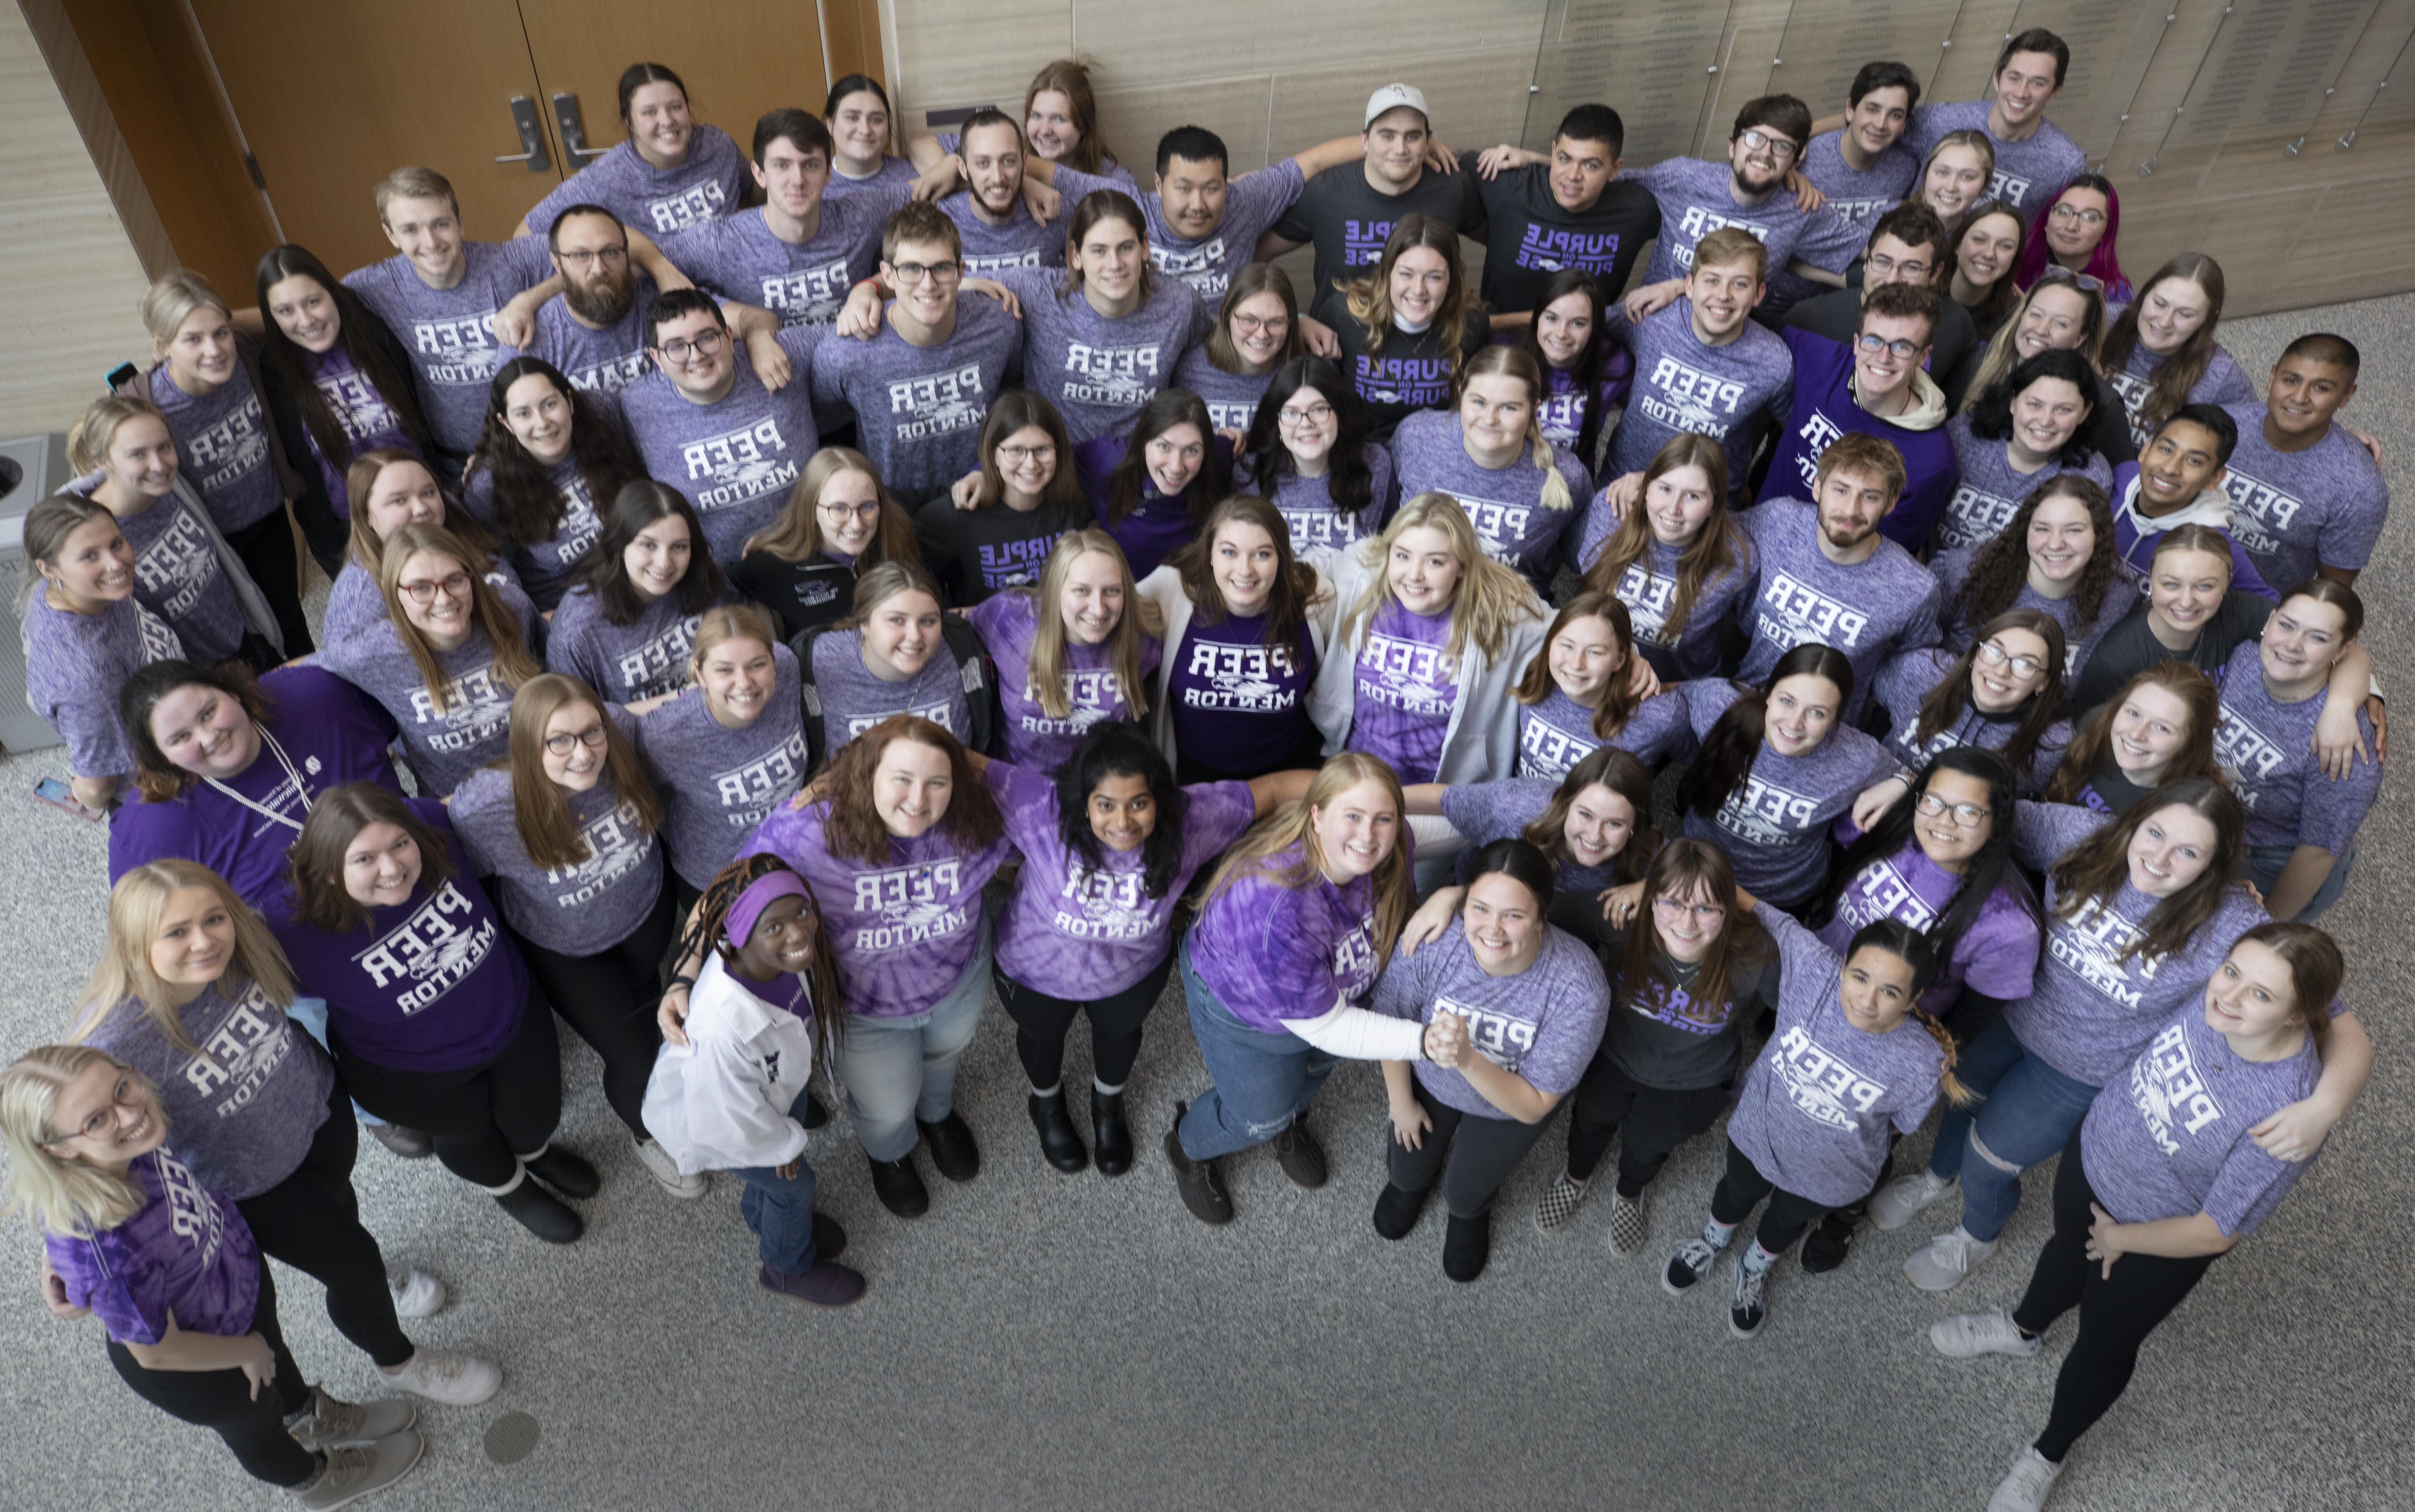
[893,170]
[803,283]
[75,663]
[475,725]
[1649,588]
[1080,934]
[1023,241]
[187,1251]
[355,603]
[1556,734]
[737,458]
[1813,1112]
[1506,505]
[1232,398]
[2294,512]
[1996,957]
[722,782]
[905,929]
[1952,570]
[1238,703]
[545,567]
[1543,1023]
[1860,195]
[1253,202]
[1694,198]
[1682,386]
[369,422]
[1775,827]
[1403,690]
[2029,172]
[583,909]
[657,201]
[451,331]
[1008,623]
[1881,606]
[1319,532]
[2223,384]
[1909,679]
[222,446]
[2170,1138]
[177,576]
[1098,371]
[1824,410]
[2265,748]
[1270,952]
[1988,489]
[851,698]
[595,361]
[624,663]
[1486,812]
[918,409]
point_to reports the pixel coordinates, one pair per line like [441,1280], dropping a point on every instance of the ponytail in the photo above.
[1555,488]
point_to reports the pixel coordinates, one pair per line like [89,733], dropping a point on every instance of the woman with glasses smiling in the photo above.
[2078,233]
[1311,454]
[840,522]
[628,628]
[2004,694]
[1257,329]
[996,527]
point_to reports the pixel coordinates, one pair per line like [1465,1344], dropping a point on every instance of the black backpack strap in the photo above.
[980,682]
[809,696]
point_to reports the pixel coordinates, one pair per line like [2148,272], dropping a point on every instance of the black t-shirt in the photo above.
[1655,1042]
[976,552]
[1412,371]
[1837,316]
[802,594]
[2130,647]
[1348,220]
[1532,237]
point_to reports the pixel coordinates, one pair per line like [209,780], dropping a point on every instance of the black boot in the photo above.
[541,1212]
[1059,1141]
[900,1187]
[565,1171]
[1109,1131]
[954,1153]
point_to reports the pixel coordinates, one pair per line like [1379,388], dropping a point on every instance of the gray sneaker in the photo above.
[1627,1231]
[1948,1261]
[1893,1207]
[353,1474]
[330,1424]
[1970,1334]
[1559,1203]
[2025,1485]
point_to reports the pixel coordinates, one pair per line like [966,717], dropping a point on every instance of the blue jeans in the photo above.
[780,1210]
[898,1069]
[1262,1081]
[2264,863]
[2026,1112]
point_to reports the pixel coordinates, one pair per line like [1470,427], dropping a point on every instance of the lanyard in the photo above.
[283,760]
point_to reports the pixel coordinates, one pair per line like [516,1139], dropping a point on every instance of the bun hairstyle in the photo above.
[1735,740]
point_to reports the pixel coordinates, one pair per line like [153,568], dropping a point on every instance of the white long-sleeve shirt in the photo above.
[1361,1034]
[721,1100]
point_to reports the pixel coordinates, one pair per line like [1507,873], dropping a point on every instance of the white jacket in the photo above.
[1163,588]
[722,1100]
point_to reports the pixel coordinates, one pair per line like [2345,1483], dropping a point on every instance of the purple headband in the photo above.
[759,895]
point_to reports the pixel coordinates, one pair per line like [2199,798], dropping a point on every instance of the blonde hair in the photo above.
[63,1196]
[1049,660]
[125,977]
[514,665]
[727,623]
[1488,599]
[416,183]
[796,534]
[1293,824]
[168,303]
[89,438]
[1518,365]
[2003,352]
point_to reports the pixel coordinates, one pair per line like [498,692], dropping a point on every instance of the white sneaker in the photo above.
[666,1172]
[1893,1207]
[1948,1261]
[458,1380]
[1970,1334]
[353,1474]
[416,1294]
[2025,1485]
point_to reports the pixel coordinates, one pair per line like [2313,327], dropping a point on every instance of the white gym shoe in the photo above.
[1948,1261]
[2025,1485]
[666,1172]
[353,1474]
[1893,1207]
[333,1425]
[416,1294]
[456,1380]
[1970,1334]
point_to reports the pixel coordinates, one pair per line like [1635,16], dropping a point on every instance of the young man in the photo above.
[596,333]
[995,226]
[703,422]
[1565,209]
[1823,571]
[2305,496]
[1908,245]
[921,385]
[1874,386]
[1863,165]
[2177,481]
[2033,158]
[1350,215]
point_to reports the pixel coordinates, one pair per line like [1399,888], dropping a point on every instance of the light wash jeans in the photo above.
[898,1069]
[2026,1112]
[2264,863]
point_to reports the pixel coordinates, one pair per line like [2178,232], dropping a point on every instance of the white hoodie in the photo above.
[721,1101]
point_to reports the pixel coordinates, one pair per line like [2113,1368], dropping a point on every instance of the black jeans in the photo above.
[311,1221]
[328,534]
[483,1117]
[267,549]
[1657,1121]
[1788,1213]
[1042,1023]
[1472,1153]
[2117,1312]
[221,1400]
[609,999]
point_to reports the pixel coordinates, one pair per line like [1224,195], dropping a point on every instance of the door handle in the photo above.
[573,128]
[532,129]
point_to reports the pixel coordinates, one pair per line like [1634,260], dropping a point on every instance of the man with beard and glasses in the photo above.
[595,332]
[1872,385]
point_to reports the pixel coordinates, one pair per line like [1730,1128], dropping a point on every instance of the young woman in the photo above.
[1595,827]
[1109,844]
[1955,177]
[1257,329]
[858,115]
[1171,470]
[2029,427]
[730,1094]
[2190,615]
[1581,695]
[1077,649]
[627,626]
[840,520]
[1060,121]
[1985,251]
[1534,999]
[193,994]
[2161,1178]
[2061,311]
[1520,495]
[428,1015]
[445,661]
[1675,557]
[1310,453]
[2002,695]
[1001,522]
[1778,767]
[668,172]
[2057,555]
[729,748]
[1584,377]
[2158,728]
[1409,325]
[2078,232]
[898,654]
[177,1280]
[548,459]
[394,488]
[1297,920]
[2161,353]
[85,634]
[566,828]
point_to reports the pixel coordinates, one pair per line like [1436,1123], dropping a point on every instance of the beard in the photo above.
[1752,186]
[605,301]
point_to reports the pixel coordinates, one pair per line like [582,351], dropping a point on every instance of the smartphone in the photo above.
[59,795]
[121,375]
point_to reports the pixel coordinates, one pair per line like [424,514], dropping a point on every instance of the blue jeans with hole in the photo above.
[780,1210]
[1263,1081]
[2025,1113]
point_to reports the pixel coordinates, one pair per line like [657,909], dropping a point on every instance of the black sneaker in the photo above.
[1689,1264]
[1466,1247]
[1396,1211]
[1747,1304]
[1829,1243]
[953,1154]
[1201,1187]
[900,1187]
[542,1213]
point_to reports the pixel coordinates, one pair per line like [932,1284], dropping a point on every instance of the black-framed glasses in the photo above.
[916,272]
[1969,816]
[563,744]
[1782,148]
[678,349]
[1869,343]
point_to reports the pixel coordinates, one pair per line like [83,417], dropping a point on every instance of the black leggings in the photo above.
[1474,1153]
[1306,755]
[311,1221]
[2115,1313]
[1788,1213]
[328,534]
[482,1117]
[1042,1023]
[221,1400]
[1657,1121]
[267,549]
[609,999]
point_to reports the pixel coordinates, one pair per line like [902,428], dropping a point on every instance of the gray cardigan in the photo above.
[1163,588]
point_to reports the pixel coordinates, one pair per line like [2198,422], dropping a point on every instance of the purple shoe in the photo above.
[826,1285]
[830,1240]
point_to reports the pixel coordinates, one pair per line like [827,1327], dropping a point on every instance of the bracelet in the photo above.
[678,981]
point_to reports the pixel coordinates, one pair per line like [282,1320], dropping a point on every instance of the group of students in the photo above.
[784,651]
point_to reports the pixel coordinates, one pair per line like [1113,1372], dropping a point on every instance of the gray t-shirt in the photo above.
[657,201]
[1348,219]
[583,909]
[222,447]
[75,663]
[451,331]
[2029,172]
[545,566]
[1682,385]
[803,283]
[851,699]
[738,458]
[599,362]
[1542,1025]
[1695,200]
[2295,512]
[918,409]
[1232,398]
[1988,489]
[623,663]
[722,782]
[1504,504]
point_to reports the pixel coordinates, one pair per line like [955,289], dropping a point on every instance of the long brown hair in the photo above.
[1947,702]
[125,977]
[354,325]
[1016,410]
[1617,703]
[855,830]
[1247,280]
[2173,377]
[1998,302]
[1737,736]
[703,932]
[155,777]
[488,614]
[1684,867]
[2316,971]
[540,809]
[1295,583]
[640,505]
[1051,657]
[1127,481]
[1604,766]
[796,534]
[1488,599]
[2001,568]
[1370,298]
[1715,552]
[1096,207]
[529,509]
[315,866]
[368,547]
[1070,77]
[2092,871]
[1293,825]
[2092,743]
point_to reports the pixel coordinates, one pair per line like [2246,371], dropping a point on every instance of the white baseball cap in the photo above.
[1392,96]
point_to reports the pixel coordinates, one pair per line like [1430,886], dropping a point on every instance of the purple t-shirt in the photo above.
[1073,933]
[1023,241]
[1988,489]
[177,576]
[187,1251]
[2091,1013]
[1556,734]
[1318,531]
[1860,195]
[1775,827]
[1238,703]
[1486,812]
[1813,1112]
[581,909]
[1232,398]
[1403,690]
[1694,198]
[1543,1023]
[356,604]
[1882,605]
[1566,402]
[1649,588]
[2029,172]
[918,409]
[1098,371]
[1270,952]
[1682,386]
[1506,505]
[1253,202]
[2266,749]
[1952,570]
[451,331]
[1909,679]
[368,421]
[1996,957]
[75,663]
[905,929]
[737,458]
[595,361]
[2170,1138]
[1825,409]
[328,731]
[723,782]
[657,201]
[545,567]
[2223,384]
[849,698]
[2294,512]
[475,725]
[624,663]
[222,446]
[1159,524]
[246,1103]
[1008,623]
[429,984]
[893,170]
[803,283]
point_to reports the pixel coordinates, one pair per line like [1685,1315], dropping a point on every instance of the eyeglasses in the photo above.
[2072,211]
[1252,325]
[127,1093]
[1881,264]
[1701,912]
[1782,148]
[1969,816]
[1020,454]
[1873,343]
[916,272]
[840,509]
[606,255]
[2057,273]
[705,345]
[453,585]
[562,745]
[1316,414]
[1995,655]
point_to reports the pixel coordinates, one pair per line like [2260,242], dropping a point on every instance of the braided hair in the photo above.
[703,932]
